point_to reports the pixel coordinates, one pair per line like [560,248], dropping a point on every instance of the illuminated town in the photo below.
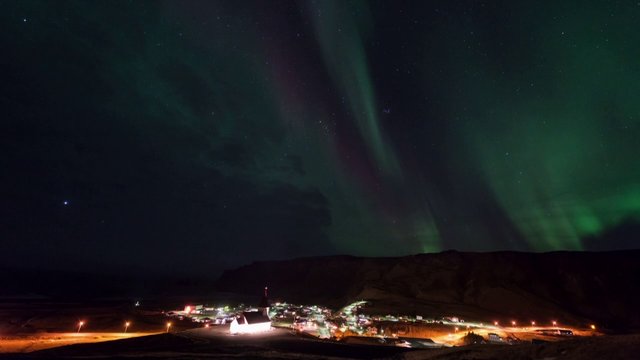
[353,324]
[319,179]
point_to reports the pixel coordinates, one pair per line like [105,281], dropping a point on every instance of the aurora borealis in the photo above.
[208,134]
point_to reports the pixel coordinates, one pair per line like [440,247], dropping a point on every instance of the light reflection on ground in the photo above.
[35,342]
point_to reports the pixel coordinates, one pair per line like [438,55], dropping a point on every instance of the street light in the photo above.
[80,325]
[126,326]
[168,326]
[533,323]
[555,323]
[593,327]
[495,323]
[513,323]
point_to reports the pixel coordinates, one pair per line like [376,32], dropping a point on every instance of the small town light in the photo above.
[168,326]
[593,327]
[495,323]
[126,326]
[554,323]
[80,325]
[533,323]
[513,323]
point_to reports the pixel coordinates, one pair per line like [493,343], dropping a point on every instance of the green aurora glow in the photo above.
[369,128]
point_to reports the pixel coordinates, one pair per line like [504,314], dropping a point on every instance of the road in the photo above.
[35,342]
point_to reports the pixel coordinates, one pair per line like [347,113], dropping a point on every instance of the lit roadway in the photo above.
[40,341]
[527,333]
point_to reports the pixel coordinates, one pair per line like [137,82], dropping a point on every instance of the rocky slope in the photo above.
[573,287]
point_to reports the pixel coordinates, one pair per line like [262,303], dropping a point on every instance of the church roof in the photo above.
[255,317]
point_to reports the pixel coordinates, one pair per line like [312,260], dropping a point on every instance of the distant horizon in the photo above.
[214,274]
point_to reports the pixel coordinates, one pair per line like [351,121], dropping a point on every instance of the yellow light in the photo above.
[593,327]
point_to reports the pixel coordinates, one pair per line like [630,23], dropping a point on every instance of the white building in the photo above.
[250,323]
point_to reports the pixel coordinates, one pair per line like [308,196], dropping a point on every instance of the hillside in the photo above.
[572,287]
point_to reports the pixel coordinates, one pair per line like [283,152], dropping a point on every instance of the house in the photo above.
[250,322]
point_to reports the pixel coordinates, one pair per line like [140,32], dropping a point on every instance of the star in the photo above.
[65,203]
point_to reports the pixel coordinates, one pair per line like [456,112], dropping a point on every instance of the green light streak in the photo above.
[341,35]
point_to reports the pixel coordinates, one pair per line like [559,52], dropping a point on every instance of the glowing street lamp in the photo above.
[593,327]
[80,325]
[495,323]
[126,326]
[513,323]
[555,323]
[168,326]
[533,323]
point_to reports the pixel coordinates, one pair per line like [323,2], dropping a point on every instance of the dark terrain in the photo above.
[573,287]
[185,347]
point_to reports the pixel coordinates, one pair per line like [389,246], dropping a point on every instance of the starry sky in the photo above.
[192,136]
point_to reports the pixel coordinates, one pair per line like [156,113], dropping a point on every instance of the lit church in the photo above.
[250,322]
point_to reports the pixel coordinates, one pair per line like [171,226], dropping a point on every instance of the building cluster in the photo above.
[314,320]
[354,323]
[208,315]
[311,319]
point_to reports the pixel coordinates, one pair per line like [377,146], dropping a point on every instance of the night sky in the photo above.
[193,136]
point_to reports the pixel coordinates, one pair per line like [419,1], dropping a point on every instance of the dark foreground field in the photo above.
[280,344]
